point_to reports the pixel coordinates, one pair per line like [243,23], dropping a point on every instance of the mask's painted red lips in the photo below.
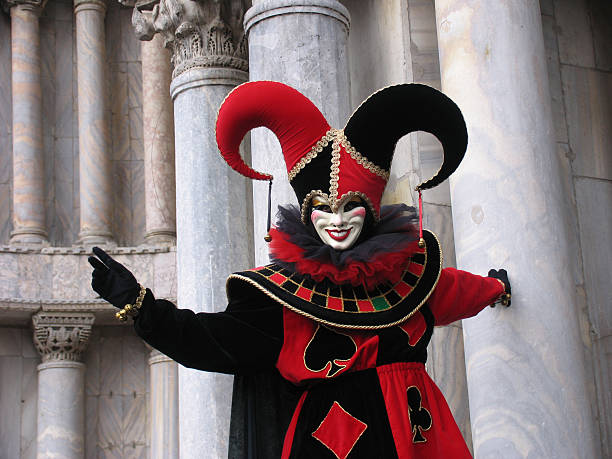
[339,235]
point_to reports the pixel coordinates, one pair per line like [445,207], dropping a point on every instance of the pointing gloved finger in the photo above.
[110,261]
[97,264]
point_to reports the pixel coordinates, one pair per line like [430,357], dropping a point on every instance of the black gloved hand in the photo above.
[111,280]
[502,275]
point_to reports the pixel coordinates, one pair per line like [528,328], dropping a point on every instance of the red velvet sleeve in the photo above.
[460,295]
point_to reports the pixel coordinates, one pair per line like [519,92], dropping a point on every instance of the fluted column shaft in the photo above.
[94,160]
[163,414]
[61,338]
[158,134]
[28,156]
[527,382]
[302,44]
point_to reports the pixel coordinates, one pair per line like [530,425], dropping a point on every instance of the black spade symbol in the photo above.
[328,347]
[420,419]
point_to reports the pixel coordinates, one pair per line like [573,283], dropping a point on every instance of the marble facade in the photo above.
[105,136]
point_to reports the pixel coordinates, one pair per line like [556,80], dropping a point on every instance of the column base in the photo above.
[89,238]
[160,237]
[29,236]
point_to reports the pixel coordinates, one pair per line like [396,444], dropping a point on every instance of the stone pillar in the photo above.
[303,44]
[213,203]
[158,134]
[95,190]
[163,412]
[28,152]
[61,338]
[527,382]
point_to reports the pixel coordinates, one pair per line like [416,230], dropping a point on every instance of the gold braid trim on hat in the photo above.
[337,135]
[338,139]
[312,154]
[362,160]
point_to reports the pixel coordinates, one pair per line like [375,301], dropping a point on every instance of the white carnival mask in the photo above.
[339,230]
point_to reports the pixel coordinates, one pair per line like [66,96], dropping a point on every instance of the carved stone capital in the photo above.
[198,33]
[61,336]
[33,5]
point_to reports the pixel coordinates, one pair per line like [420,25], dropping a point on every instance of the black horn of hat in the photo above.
[391,113]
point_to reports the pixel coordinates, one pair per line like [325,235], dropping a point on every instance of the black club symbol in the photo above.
[420,419]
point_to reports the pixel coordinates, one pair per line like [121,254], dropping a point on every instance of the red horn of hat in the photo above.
[293,118]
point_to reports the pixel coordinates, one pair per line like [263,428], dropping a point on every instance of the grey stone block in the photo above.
[64,85]
[547,7]
[129,48]
[133,364]
[601,18]
[134,74]
[164,281]
[122,221]
[110,418]
[554,78]
[589,118]
[594,201]
[9,275]
[134,423]
[137,203]
[575,39]
[10,396]
[91,426]
[29,405]
[5,217]
[10,342]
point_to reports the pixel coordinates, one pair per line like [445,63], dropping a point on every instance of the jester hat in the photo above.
[339,164]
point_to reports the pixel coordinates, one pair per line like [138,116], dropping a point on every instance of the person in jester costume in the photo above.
[347,307]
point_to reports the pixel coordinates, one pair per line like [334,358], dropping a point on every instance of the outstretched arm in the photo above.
[245,337]
[460,294]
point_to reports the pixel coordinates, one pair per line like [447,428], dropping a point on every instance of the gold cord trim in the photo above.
[334,173]
[312,154]
[362,160]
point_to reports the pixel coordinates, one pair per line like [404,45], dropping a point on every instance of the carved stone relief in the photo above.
[36,4]
[199,33]
[60,335]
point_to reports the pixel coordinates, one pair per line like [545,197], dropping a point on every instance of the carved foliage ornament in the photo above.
[199,33]
[35,4]
[61,336]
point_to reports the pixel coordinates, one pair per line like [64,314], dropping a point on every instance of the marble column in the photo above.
[527,381]
[158,134]
[213,202]
[163,412]
[95,190]
[302,43]
[61,338]
[28,152]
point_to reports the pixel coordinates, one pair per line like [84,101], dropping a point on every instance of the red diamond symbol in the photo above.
[339,431]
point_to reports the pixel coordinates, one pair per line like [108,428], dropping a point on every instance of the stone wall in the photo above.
[116,395]
[60,123]
[18,393]
[57,277]
[578,37]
